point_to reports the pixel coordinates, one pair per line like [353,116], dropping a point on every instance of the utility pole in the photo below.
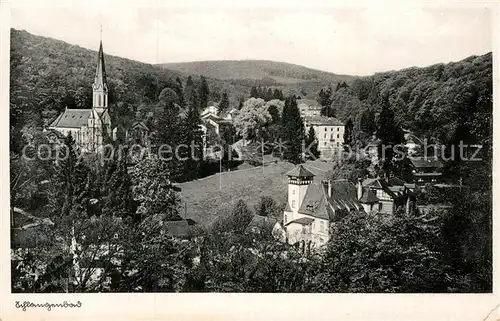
[220,171]
[262,148]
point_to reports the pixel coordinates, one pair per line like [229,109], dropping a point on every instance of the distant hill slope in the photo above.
[256,72]
[48,75]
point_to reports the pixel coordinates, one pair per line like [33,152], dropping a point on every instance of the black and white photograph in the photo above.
[253,149]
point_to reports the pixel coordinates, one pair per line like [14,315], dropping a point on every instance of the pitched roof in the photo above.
[302,221]
[262,221]
[426,162]
[176,228]
[395,181]
[412,138]
[323,120]
[368,196]
[308,102]
[140,124]
[378,183]
[299,171]
[73,118]
[314,202]
[344,196]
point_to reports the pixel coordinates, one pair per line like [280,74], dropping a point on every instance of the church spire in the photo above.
[100,87]
[100,73]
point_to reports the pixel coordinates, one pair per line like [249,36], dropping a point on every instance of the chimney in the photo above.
[329,188]
[360,188]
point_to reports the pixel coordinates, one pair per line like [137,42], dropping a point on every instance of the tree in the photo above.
[367,122]
[153,188]
[240,217]
[268,207]
[325,97]
[169,132]
[204,92]
[251,118]
[70,181]
[293,132]
[312,144]
[240,103]
[83,97]
[224,103]
[348,132]
[389,254]
[191,155]
[278,94]
[254,93]
[390,135]
[119,200]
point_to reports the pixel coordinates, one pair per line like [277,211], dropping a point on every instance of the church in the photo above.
[88,127]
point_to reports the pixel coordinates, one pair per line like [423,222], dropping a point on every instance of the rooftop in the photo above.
[426,162]
[72,118]
[322,121]
[302,221]
[300,171]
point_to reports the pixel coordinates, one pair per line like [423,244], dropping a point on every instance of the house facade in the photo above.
[329,132]
[313,206]
[89,127]
[426,169]
[309,107]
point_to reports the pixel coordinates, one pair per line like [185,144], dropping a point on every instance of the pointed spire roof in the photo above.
[300,171]
[100,73]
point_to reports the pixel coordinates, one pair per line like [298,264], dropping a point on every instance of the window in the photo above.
[326,129]
[293,203]
[331,128]
[325,135]
[331,137]
[293,191]
[322,226]
[338,128]
[338,135]
[324,144]
[98,100]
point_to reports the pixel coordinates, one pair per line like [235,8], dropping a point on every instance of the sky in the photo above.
[355,40]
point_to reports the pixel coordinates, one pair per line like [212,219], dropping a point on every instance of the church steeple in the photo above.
[100,87]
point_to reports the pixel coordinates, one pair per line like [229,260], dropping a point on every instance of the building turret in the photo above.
[299,180]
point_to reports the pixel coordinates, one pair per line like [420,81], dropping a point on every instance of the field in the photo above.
[206,199]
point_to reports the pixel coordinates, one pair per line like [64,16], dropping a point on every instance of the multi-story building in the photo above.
[329,132]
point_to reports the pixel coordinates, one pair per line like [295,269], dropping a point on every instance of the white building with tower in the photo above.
[313,206]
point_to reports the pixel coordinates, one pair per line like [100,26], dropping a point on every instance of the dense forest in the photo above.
[444,101]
